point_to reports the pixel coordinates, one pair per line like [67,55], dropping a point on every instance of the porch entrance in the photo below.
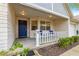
[49,28]
[22,24]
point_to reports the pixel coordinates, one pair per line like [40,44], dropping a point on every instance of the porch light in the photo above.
[50,16]
[22,13]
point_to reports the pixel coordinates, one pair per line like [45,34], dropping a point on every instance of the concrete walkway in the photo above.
[72,52]
[28,42]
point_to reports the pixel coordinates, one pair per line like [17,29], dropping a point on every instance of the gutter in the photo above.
[36,53]
[43,9]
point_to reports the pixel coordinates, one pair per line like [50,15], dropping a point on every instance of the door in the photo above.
[73,29]
[22,24]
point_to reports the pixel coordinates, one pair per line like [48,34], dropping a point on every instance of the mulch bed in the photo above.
[54,50]
[31,53]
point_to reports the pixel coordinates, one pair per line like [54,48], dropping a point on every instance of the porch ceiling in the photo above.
[31,12]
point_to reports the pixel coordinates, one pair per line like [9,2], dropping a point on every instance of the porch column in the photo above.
[38,24]
[37,38]
[37,32]
[3,26]
[69,30]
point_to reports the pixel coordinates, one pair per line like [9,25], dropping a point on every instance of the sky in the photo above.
[74,7]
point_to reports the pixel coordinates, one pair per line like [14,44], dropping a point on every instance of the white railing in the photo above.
[48,36]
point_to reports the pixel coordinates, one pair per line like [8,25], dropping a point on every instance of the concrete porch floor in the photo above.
[28,42]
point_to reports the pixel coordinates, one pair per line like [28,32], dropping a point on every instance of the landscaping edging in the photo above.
[36,53]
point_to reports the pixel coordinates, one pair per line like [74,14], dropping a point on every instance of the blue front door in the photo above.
[22,28]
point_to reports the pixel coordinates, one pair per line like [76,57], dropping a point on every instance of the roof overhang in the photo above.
[44,10]
[76,18]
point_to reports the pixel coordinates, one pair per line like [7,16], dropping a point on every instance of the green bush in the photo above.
[76,38]
[71,40]
[25,52]
[3,53]
[13,51]
[16,45]
[64,42]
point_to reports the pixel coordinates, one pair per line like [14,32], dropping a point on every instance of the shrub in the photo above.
[71,40]
[64,42]
[3,53]
[16,45]
[76,38]
[16,49]
[25,52]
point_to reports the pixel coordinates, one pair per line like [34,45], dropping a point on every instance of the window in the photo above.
[42,25]
[34,25]
[45,25]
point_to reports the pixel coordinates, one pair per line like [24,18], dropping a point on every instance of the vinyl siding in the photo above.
[3,26]
[61,26]
[45,5]
[11,25]
[56,7]
[59,7]
[7,26]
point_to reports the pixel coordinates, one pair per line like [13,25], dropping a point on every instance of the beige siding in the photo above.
[74,26]
[59,8]
[61,25]
[11,25]
[3,26]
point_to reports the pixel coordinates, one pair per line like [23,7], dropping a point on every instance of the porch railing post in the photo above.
[37,38]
